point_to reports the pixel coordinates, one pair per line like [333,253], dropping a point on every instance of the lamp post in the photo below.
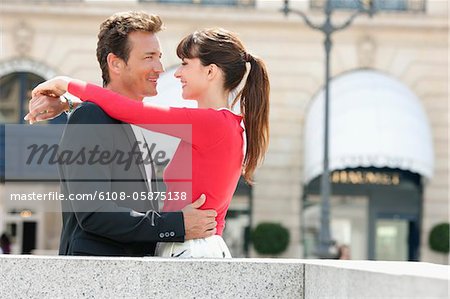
[327,28]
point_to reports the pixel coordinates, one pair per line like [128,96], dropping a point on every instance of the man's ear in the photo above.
[115,64]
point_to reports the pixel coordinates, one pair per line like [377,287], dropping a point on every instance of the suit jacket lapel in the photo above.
[132,139]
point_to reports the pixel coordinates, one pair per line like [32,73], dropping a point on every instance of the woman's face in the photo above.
[193,77]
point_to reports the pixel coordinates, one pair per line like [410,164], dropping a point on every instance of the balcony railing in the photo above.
[194,2]
[241,3]
[42,1]
[380,5]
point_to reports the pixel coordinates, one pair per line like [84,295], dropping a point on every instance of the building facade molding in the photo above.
[22,64]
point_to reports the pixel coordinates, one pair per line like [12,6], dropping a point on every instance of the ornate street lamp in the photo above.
[366,7]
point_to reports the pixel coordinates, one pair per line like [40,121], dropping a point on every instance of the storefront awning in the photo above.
[375,121]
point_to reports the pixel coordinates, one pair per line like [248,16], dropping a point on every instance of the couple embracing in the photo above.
[220,145]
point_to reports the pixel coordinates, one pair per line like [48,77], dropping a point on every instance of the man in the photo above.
[129,55]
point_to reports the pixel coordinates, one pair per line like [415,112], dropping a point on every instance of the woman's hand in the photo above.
[54,87]
[45,102]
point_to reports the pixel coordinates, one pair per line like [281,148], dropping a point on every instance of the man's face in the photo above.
[140,73]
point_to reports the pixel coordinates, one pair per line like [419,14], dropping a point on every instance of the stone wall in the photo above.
[95,277]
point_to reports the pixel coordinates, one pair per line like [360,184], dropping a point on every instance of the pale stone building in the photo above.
[390,77]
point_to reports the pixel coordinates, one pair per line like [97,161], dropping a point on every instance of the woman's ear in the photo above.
[213,71]
[115,63]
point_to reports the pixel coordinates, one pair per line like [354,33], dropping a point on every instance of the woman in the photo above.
[223,144]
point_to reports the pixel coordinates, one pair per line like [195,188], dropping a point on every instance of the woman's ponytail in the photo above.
[255,109]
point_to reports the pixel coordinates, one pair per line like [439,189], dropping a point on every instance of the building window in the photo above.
[384,5]
[14,88]
[238,220]
[15,91]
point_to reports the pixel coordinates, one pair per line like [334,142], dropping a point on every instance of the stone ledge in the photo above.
[98,277]
[78,277]
[376,279]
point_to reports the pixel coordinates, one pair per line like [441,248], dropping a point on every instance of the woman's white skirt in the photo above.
[211,247]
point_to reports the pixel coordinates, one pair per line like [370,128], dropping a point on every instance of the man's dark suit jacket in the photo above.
[108,228]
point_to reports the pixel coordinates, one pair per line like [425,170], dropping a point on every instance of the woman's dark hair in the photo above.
[224,49]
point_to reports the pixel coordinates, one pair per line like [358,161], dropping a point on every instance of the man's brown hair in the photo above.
[113,36]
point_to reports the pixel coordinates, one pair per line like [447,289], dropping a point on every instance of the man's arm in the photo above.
[89,127]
